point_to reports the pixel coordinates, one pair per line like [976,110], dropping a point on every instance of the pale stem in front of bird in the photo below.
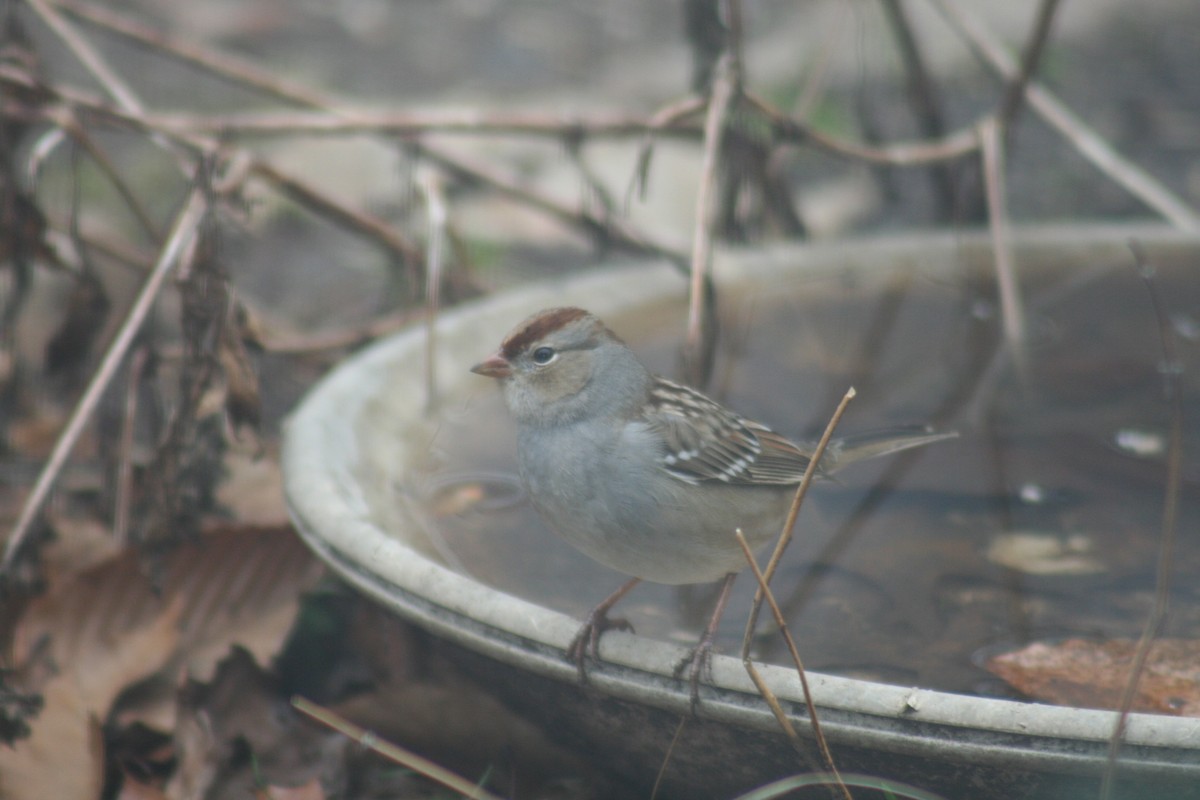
[763,592]
[785,535]
[765,691]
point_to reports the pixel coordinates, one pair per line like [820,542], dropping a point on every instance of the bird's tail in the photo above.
[848,450]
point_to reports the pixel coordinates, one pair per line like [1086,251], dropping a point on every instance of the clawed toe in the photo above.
[587,640]
[697,666]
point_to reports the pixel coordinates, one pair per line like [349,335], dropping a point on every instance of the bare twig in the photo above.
[785,723]
[181,236]
[1166,548]
[225,66]
[1011,309]
[123,489]
[785,536]
[341,121]
[1090,145]
[436,214]
[613,230]
[720,102]
[1010,105]
[924,98]
[232,69]
[310,197]
[787,129]
[392,752]
[113,83]
[80,135]
[665,119]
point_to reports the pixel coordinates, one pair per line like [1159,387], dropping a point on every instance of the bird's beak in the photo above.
[494,366]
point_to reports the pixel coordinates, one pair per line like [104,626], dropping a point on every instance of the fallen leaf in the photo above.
[1094,674]
[243,711]
[110,627]
[233,586]
[307,791]
[64,754]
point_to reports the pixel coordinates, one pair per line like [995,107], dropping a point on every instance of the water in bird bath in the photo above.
[1040,522]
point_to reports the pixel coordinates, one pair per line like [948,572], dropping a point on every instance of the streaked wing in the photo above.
[706,442]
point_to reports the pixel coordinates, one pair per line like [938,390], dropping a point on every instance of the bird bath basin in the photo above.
[367,453]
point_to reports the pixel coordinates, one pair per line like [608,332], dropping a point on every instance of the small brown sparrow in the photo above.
[643,474]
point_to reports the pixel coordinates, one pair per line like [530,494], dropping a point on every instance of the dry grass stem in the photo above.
[664,120]
[764,578]
[924,98]
[436,215]
[225,66]
[123,500]
[1010,105]
[785,723]
[393,752]
[788,129]
[80,136]
[1012,313]
[178,242]
[785,535]
[1166,551]
[720,103]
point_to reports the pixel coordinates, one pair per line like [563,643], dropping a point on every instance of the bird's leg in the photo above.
[698,662]
[587,641]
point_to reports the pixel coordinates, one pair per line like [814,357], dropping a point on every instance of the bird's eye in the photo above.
[544,355]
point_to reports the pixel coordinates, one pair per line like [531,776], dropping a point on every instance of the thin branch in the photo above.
[614,231]
[123,485]
[1010,105]
[788,129]
[1011,308]
[317,201]
[1090,145]
[924,98]
[112,83]
[436,214]
[785,536]
[720,103]
[182,234]
[666,119]
[1166,549]
[392,752]
[225,66]
[781,621]
[338,121]
[80,135]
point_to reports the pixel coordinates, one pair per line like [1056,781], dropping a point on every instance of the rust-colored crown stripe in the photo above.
[537,327]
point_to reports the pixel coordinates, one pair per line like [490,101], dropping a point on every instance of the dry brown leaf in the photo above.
[252,491]
[1094,674]
[308,791]
[232,586]
[107,628]
[240,711]
[64,755]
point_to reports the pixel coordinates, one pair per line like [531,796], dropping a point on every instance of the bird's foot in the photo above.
[697,666]
[587,640]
